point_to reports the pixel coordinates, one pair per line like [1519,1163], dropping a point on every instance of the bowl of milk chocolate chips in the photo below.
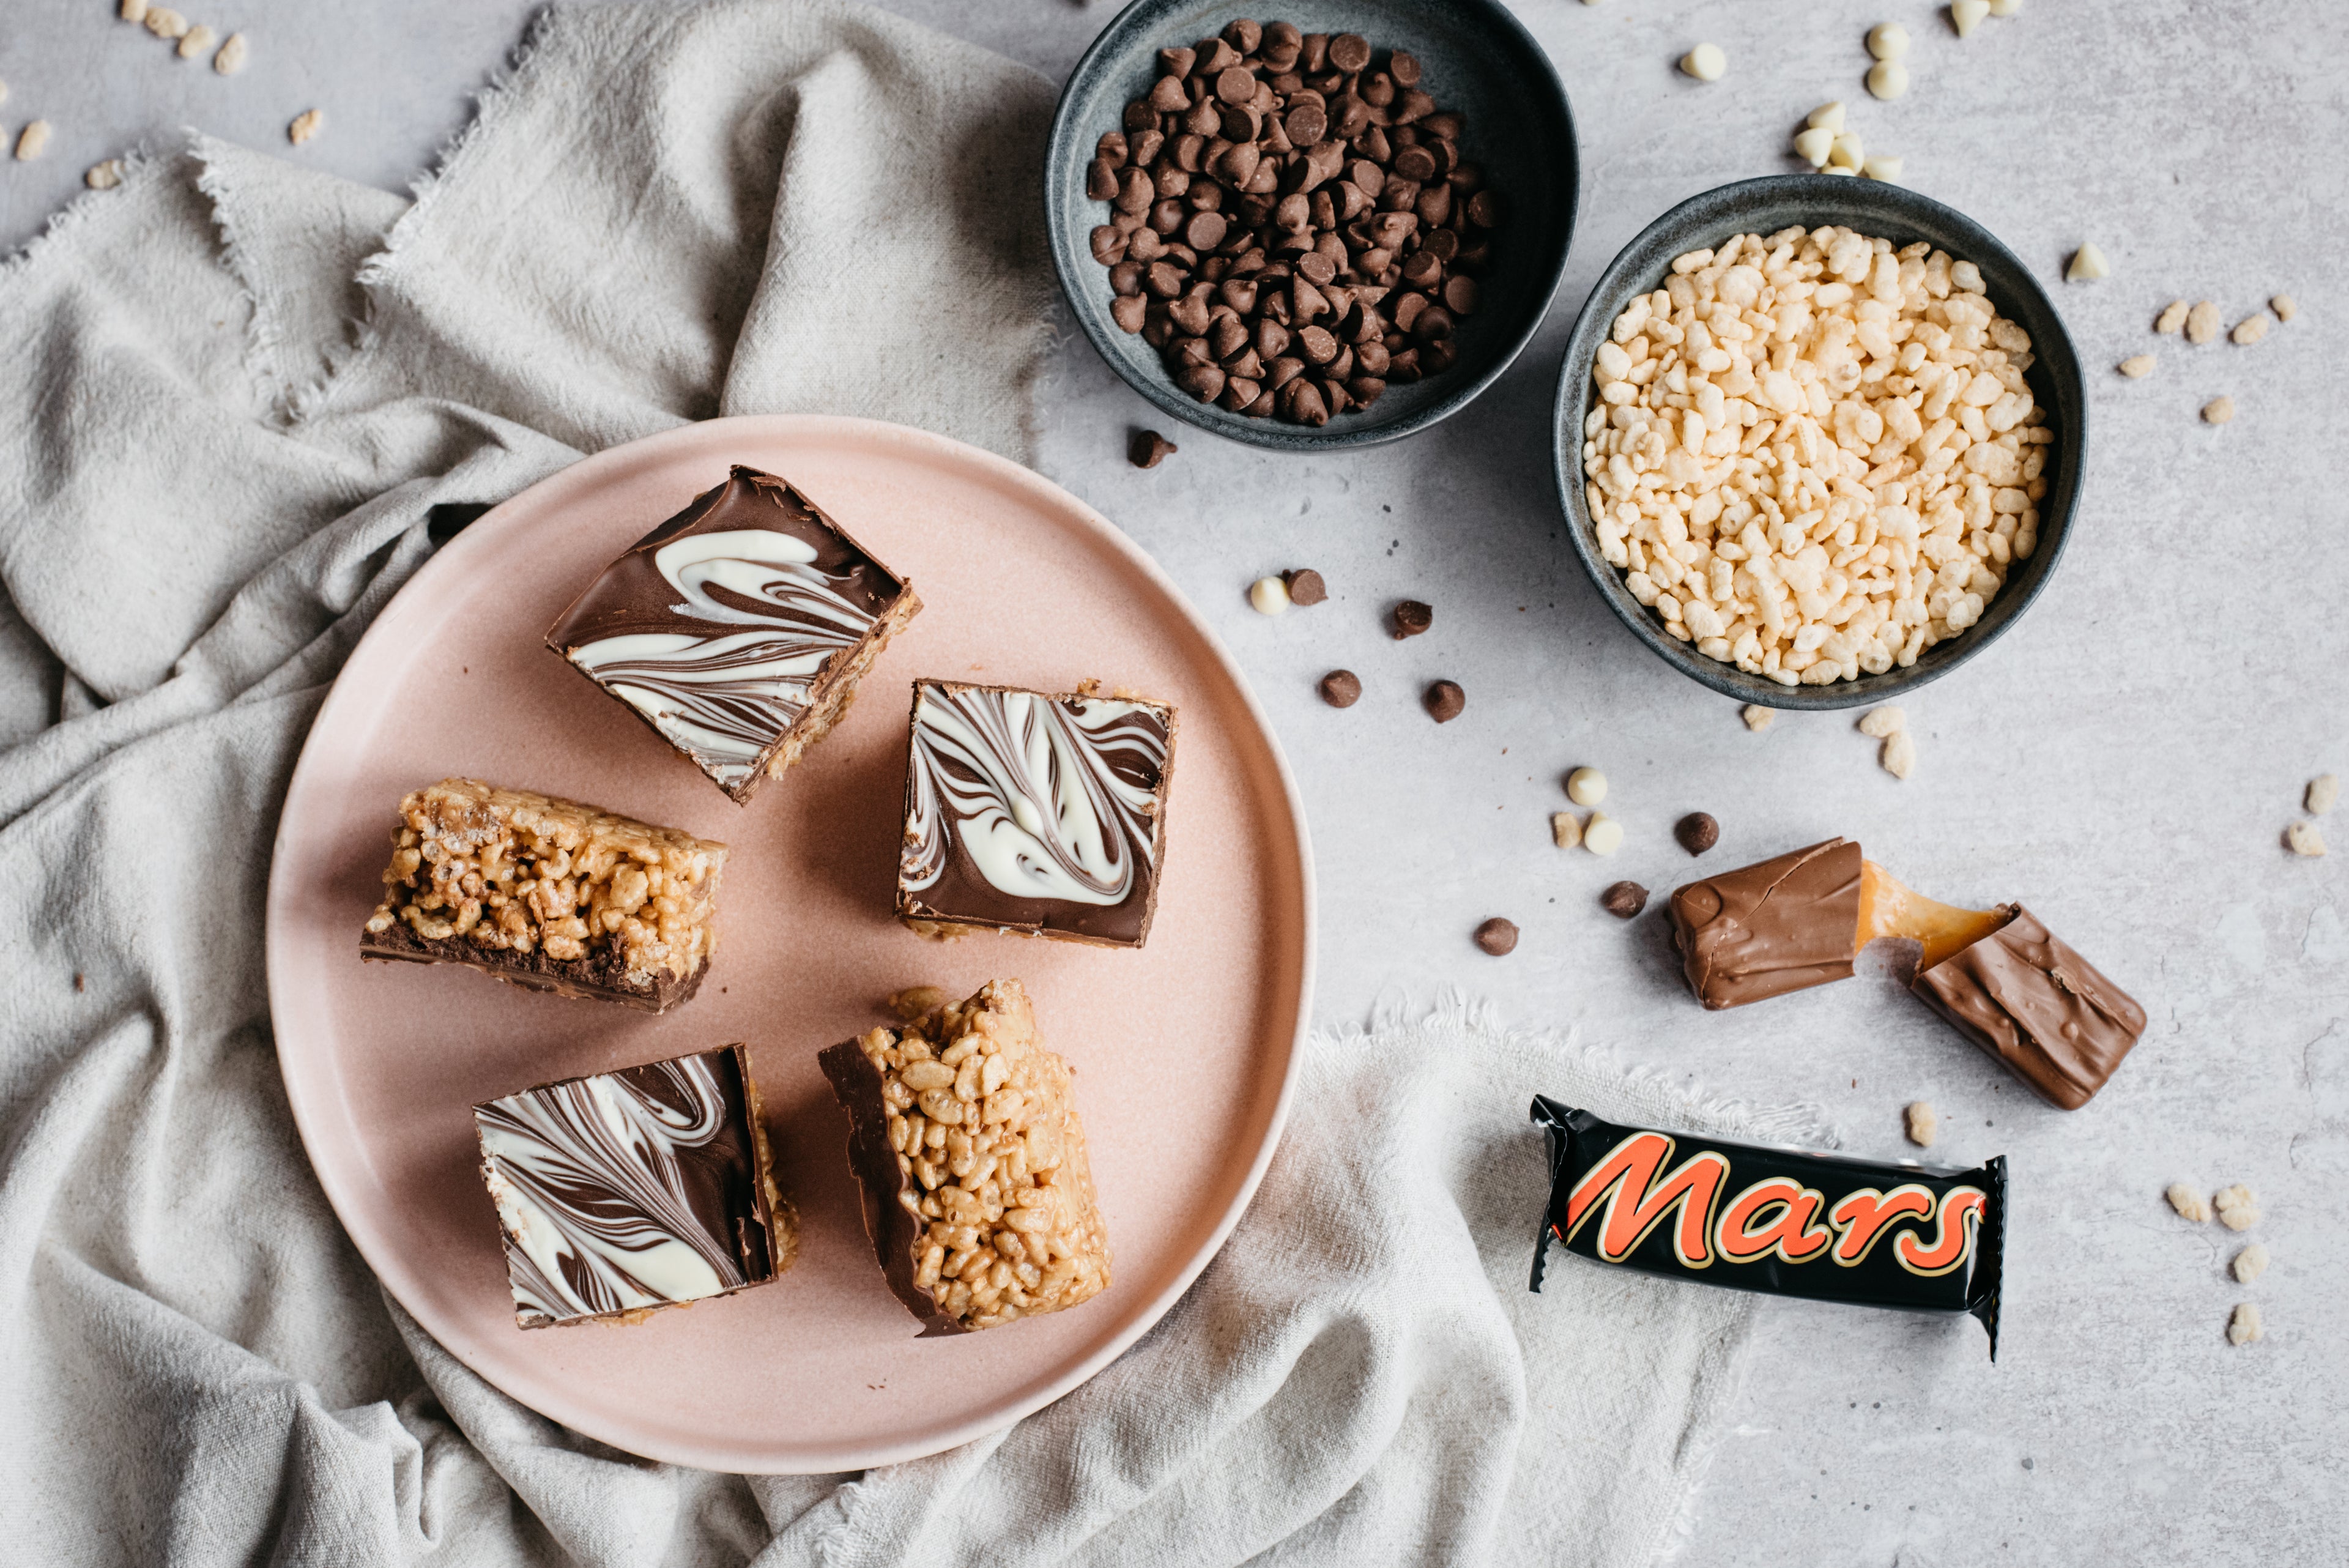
[1334,226]
[738,630]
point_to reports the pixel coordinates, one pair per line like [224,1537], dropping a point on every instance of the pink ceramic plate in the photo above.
[1184,1050]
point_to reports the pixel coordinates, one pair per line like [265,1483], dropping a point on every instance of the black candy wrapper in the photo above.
[1778,1220]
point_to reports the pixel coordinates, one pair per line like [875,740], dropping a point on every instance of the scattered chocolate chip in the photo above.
[1444,700]
[1497,937]
[1623,900]
[81,982]
[1411,617]
[1342,689]
[1305,585]
[1697,832]
[1148,449]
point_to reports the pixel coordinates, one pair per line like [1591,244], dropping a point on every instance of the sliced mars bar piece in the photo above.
[621,1193]
[1799,920]
[1036,813]
[964,1136]
[2024,996]
[1763,930]
[548,894]
[738,628]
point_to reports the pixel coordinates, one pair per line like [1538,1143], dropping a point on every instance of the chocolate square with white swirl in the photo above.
[1034,812]
[622,1193]
[738,628]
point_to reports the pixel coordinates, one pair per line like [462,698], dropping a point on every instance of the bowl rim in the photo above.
[1274,434]
[1717,207]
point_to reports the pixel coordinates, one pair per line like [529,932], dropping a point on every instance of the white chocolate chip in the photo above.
[2323,794]
[2087,265]
[1586,787]
[165,23]
[1270,595]
[1565,829]
[2218,411]
[134,10]
[1828,117]
[1758,717]
[2285,306]
[1899,754]
[231,56]
[104,176]
[34,142]
[1883,724]
[2250,1263]
[1888,40]
[1923,1124]
[2172,318]
[306,124]
[2303,839]
[1965,16]
[1814,144]
[2136,367]
[1602,835]
[2004,8]
[1838,169]
[196,41]
[2202,322]
[1887,169]
[2249,330]
[2188,1200]
[2244,1326]
[1887,79]
[2238,1210]
[1845,152]
[1705,62]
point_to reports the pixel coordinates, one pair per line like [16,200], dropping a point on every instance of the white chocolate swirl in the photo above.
[1049,798]
[592,1192]
[723,698]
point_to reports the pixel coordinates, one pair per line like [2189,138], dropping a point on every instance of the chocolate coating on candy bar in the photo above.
[623,1192]
[1030,813]
[732,622]
[1765,929]
[2025,997]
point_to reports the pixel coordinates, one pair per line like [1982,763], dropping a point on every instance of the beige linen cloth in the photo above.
[239,403]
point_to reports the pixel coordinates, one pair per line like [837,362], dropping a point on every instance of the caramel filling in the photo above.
[1889,909]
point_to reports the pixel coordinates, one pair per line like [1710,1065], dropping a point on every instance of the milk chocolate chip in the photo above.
[1148,449]
[1342,689]
[1623,900]
[1497,937]
[1305,585]
[1444,701]
[1697,832]
[1411,617]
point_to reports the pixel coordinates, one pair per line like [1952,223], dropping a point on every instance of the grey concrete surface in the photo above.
[2124,761]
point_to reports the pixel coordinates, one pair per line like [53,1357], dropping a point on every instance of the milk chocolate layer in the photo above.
[600,976]
[2027,998]
[1763,931]
[893,1228]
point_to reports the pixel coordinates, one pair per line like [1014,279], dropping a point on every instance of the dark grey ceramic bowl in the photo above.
[1477,59]
[1892,213]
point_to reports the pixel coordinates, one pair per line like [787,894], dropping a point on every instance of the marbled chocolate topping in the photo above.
[1034,812]
[2023,995]
[629,1191]
[1765,929]
[720,626]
